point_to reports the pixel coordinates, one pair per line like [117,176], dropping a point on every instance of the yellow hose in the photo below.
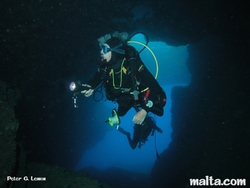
[156,62]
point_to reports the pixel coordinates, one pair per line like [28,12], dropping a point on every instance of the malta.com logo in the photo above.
[210,181]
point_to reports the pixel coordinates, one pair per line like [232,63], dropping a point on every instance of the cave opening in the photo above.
[114,150]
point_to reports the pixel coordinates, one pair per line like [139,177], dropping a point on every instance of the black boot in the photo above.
[131,142]
[158,129]
[123,131]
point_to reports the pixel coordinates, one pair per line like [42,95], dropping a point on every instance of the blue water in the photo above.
[114,150]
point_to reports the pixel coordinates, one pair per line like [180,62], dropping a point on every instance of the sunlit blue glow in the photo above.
[114,150]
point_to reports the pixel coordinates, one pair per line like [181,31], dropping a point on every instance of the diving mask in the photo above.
[105,48]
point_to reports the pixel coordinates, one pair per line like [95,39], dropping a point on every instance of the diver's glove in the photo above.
[140,117]
[87,92]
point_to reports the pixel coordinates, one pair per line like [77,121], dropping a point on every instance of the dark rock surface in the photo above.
[120,178]
[210,117]
[42,44]
[8,130]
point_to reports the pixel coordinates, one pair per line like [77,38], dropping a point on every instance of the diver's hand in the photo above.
[87,92]
[139,117]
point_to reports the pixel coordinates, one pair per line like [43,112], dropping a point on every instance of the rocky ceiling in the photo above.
[42,40]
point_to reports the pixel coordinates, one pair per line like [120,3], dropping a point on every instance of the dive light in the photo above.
[77,87]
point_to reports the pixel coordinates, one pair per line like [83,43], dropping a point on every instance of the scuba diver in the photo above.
[129,83]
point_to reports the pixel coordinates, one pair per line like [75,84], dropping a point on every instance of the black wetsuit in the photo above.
[127,74]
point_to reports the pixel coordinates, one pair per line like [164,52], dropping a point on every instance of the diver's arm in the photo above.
[134,60]
[95,80]
[156,97]
[92,84]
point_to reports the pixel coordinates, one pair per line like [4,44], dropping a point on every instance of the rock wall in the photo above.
[43,44]
[8,129]
[209,117]
[15,172]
